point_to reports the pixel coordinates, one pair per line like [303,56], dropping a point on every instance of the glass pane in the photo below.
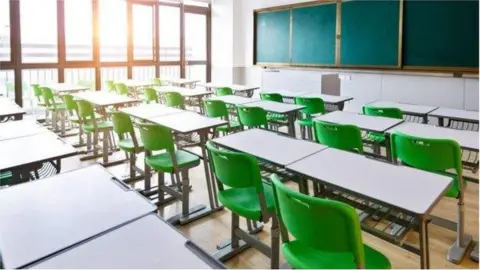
[113,74]
[38,76]
[195,36]
[196,72]
[78,30]
[113,31]
[170,71]
[4,30]
[81,76]
[38,21]
[143,73]
[169,33]
[143,32]
[7,79]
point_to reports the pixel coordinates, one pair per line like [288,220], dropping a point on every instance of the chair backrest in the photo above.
[110,86]
[121,88]
[85,110]
[215,108]
[271,97]
[434,155]
[174,99]
[48,96]
[156,137]
[384,112]
[37,92]
[234,169]
[321,224]
[150,95]
[224,91]
[157,81]
[343,137]
[312,105]
[70,104]
[252,116]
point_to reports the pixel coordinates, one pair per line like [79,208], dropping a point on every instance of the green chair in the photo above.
[327,233]
[170,160]
[312,106]
[242,191]
[55,107]
[123,127]
[276,118]
[174,99]
[218,109]
[110,85]
[224,91]
[72,109]
[157,81]
[437,156]
[150,95]
[121,89]
[379,138]
[37,93]
[343,137]
[271,97]
[252,117]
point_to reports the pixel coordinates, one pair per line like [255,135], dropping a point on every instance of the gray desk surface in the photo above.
[22,128]
[269,146]
[148,243]
[233,99]
[467,139]
[286,93]
[180,81]
[364,122]
[44,217]
[329,99]
[103,99]
[187,122]
[9,108]
[186,92]
[413,190]
[32,149]
[275,107]
[66,87]
[146,111]
[406,108]
[137,83]
[455,114]
[234,87]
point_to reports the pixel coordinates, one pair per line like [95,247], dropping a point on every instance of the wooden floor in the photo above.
[211,230]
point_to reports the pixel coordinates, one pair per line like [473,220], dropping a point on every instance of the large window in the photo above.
[143,32]
[195,36]
[78,30]
[38,22]
[4,30]
[169,33]
[113,31]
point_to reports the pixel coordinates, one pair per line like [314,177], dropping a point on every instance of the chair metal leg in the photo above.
[275,244]
[236,246]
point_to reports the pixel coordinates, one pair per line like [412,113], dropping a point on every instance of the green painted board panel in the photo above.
[370,33]
[273,37]
[314,35]
[441,33]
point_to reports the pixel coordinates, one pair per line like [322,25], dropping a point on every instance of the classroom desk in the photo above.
[408,109]
[417,194]
[24,152]
[66,88]
[338,101]
[234,100]
[364,122]
[237,88]
[269,146]
[137,83]
[186,92]
[182,82]
[48,216]
[105,99]
[290,110]
[9,109]
[463,116]
[146,111]
[21,128]
[188,123]
[147,243]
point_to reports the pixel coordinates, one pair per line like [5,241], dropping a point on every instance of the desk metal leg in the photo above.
[463,242]
[424,248]
[291,124]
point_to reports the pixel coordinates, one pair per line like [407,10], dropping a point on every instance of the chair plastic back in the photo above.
[122,123]
[37,92]
[174,99]
[85,110]
[157,81]
[322,224]
[150,95]
[312,105]
[110,86]
[224,91]
[215,108]
[343,137]
[384,112]
[271,97]
[121,88]
[235,170]
[156,137]
[252,116]
[70,104]
[48,96]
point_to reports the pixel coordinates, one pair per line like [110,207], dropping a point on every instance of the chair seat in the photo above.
[6,178]
[88,127]
[76,120]
[128,146]
[376,137]
[304,257]
[276,117]
[307,122]
[226,128]
[163,162]
[244,201]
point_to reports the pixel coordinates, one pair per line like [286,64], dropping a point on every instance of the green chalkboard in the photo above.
[441,34]
[370,33]
[314,35]
[273,37]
